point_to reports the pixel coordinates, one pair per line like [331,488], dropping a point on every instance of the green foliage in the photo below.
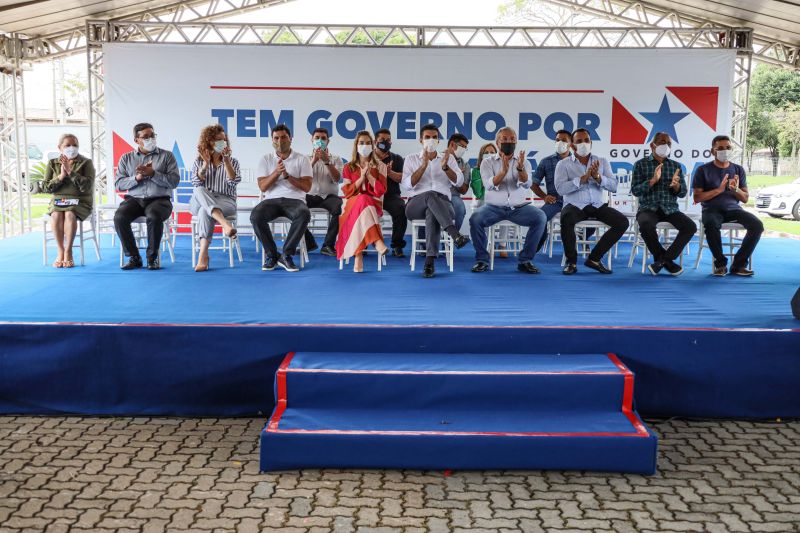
[774,111]
[378,36]
[773,88]
[36,172]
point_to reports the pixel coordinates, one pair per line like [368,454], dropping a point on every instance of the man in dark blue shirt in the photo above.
[720,186]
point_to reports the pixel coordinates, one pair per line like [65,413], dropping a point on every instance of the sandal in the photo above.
[58,264]
[69,263]
[232,235]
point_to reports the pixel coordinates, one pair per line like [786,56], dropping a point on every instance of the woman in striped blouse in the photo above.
[215,175]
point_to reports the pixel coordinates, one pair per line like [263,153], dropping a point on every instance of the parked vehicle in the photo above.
[780,200]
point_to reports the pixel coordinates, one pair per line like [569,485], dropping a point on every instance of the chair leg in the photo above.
[491,248]
[700,244]
[44,242]
[81,241]
[194,244]
[230,251]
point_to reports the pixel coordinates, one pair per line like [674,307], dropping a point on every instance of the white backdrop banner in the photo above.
[621,96]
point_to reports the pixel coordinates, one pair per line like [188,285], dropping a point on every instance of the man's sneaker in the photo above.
[133,262]
[673,268]
[597,265]
[528,268]
[311,245]
[153,264]
[461,241]
[480,266]
[286,263]
[742,271]
[328,250]
[719,270]
[655,268]
[428,271]
[570,269]
[398,252]
[270,263]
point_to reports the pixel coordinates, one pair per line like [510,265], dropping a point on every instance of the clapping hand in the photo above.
[723,186]
[226,153]
[657,173]
[66,166]
[146,169]
[594,170]
[280,168]
[734,183]
[676,179]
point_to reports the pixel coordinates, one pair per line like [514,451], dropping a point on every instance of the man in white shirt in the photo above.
[327,171]
[581,179]
[285,177]
[507,180]
[428,177]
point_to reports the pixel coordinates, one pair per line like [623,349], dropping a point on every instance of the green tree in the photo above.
[773,90]
[361,37]
[762,132]
[788,121]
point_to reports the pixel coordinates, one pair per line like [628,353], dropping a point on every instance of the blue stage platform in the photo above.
[98,340]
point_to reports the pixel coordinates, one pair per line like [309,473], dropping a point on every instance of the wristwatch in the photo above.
[446,168]
[520,169]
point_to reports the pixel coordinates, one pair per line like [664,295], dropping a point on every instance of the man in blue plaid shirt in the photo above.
[658,183]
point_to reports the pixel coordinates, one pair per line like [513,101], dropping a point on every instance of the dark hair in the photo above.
[457,137]
[140,127]
[281,127]
[428,127]
[584,130]
[318,130]
[382,131]
[719,138]
[559,132]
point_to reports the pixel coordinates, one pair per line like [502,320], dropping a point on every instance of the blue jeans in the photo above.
[460,211]
[488,215]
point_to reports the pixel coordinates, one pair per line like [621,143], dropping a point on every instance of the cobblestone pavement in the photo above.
[142,474]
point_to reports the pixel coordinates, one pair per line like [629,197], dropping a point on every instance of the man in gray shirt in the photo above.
[147,175]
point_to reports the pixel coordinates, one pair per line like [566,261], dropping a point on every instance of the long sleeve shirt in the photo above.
[79,183]
[511,192]
[568,181]
[161,183]
[217,179]
[434,178]
[661,195]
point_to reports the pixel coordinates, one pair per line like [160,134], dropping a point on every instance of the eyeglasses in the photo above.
[144,138]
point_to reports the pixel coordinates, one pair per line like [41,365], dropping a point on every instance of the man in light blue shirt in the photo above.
[582,179]
[507,180]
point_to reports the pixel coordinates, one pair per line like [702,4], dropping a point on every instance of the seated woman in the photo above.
[215,175]
[364,186]
[70,178]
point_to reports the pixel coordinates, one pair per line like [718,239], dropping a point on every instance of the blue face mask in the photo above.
[320,143]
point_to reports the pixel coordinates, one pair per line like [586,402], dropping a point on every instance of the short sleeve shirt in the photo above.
[297,165]
[709,176]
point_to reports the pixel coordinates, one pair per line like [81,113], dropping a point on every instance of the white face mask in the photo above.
[364,149]
[489,155]
[149,144]
[219,146]
[430,144]
[723,155]
[562,147]
[663,150]
[71,152]
[583,149]
[460,151]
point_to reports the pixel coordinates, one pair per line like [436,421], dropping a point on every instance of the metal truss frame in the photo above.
[15,199]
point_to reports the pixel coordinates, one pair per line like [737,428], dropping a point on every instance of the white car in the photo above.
[780,200]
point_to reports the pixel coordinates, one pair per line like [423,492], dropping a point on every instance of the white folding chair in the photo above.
[730,240]
[319,222]
[181,192]
[82,237]
[627,204]
[139,227]
[418,246]
[507,233]
[665,231]
[228,243]
[381,262]
[553,233]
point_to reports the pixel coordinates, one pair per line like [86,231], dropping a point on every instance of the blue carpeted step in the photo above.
[460,411]
[416,381]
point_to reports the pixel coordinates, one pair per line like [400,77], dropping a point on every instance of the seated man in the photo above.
[285,176]
[581,179]
[457,145]
[147,175]
[327,171]
[393,203]
[720,185]
[658,202]
[506,179]
[546,172]
[428,176]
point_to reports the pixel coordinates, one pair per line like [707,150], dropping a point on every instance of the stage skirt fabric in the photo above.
[360,223]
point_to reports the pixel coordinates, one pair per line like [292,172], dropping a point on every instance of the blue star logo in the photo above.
[664,120]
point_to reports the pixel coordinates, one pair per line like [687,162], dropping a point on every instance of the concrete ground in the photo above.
[163,474]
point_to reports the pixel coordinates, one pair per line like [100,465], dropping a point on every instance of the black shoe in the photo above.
[480,266]
[153,264]
[311,246]
[428,271]
[270,263]
[328,250]
[673,268]
[461,241]
[742,271]
[397,251]
[528,268]
[655,268]
[133,262]
[286,262]
[570,269]
[597,265]
[719,270]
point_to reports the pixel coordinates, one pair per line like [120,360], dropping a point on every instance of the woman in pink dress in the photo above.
[364,184]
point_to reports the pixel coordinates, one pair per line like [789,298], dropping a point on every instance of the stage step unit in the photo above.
[456,411]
